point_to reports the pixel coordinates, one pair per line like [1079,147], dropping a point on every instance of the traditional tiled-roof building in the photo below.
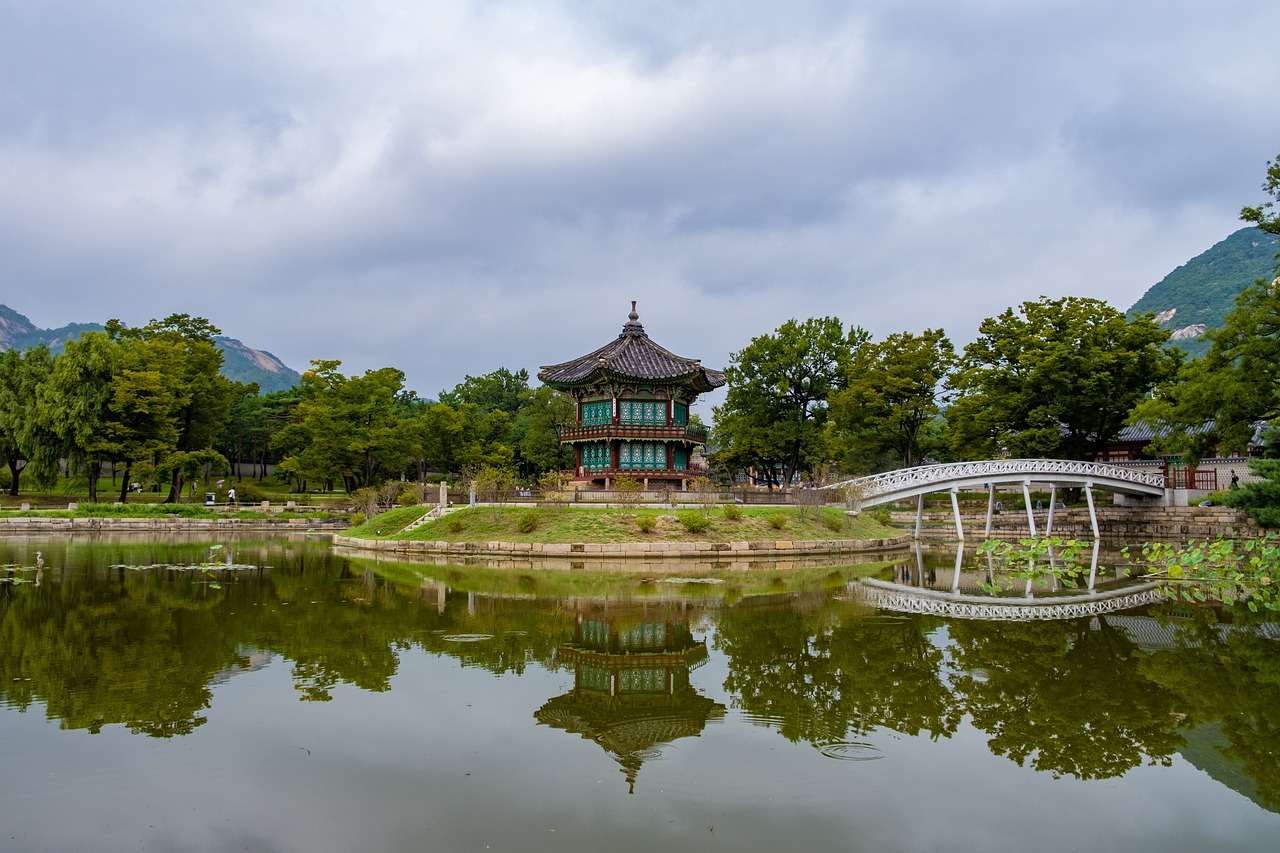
[633,398]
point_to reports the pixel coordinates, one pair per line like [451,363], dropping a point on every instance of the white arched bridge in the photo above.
[905,483]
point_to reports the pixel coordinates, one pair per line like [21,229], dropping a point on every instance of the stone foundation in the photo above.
[651,550]
[1131,523]
[20,524]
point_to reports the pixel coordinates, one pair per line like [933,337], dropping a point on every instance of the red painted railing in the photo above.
[691,432]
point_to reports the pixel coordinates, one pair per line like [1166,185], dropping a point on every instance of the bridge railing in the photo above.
[923,475]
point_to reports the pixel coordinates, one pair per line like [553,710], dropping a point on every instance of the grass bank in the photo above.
[548,525]
[620,586]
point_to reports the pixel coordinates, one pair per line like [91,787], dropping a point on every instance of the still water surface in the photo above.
[309,700]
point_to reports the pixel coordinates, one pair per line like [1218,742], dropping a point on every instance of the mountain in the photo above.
[239,362]
[1197,296]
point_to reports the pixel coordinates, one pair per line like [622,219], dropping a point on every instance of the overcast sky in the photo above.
[448,187]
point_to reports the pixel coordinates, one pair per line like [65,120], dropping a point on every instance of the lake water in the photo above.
[298,699]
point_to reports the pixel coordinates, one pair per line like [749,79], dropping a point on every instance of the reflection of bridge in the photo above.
[917,482]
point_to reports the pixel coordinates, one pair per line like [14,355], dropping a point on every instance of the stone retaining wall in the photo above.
[1157,522]
[611,550]
[19,524]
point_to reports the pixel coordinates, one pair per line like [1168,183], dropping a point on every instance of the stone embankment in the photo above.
[1129,523]
[649,550]
[21,524]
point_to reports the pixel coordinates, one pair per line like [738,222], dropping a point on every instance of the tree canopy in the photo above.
[1056,378]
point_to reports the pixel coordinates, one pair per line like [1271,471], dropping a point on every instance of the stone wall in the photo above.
[19,524]
[652,550]
[1131,523]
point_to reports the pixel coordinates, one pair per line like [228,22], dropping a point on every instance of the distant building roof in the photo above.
[632,355]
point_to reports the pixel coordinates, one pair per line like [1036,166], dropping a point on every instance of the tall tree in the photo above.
[21,375]
[73,406]
[1058,377]
[203,395]
[890,399]
[779,384]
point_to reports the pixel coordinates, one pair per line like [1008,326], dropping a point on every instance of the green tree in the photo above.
[542,412]
[779,384]
[500,389]
[1059,377]
[72,407]
[1266,215]
[890,398]
[21,375]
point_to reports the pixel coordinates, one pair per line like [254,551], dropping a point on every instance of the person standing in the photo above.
[231,496]
[1235,479]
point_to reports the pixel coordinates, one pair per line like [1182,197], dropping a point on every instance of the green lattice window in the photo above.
[680,414]
[648,455]
[595,455]
[651,635]
[593,678]
[643,412]
[642,681]
[681,460]
[597,413]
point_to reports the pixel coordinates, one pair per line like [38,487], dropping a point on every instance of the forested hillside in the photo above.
[1195,297]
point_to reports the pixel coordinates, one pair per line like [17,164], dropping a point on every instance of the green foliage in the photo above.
[407,498]
[693,520]
[528,522]
[1204,289]
[1058,378]
[1236,384]
[833,519]
[1261,498]
[774,413]
[731,512]
[646,523]
[1267,214]
[454,524]
[358,519]
[1235,572]
[778,520]
[881,418]
[21,436]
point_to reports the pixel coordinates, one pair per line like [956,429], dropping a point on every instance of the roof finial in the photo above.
[633,316]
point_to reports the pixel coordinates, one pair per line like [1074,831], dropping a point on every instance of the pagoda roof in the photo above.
[631,356]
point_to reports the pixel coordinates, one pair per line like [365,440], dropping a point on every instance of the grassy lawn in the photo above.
[151,510]
[385,525]
[563,524]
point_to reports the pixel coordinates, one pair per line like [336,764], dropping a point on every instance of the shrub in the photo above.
[408,498]
[528,522]
[732,512]
[247,493]
[358,519]
[453,524]
[694,521]
[778,520]
[627,490]
[833,519]
[646,523]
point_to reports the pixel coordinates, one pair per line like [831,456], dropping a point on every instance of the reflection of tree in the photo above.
[99,645]
[1232,679]
[825,672]
[1070,697]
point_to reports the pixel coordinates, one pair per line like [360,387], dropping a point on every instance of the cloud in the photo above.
[452,186]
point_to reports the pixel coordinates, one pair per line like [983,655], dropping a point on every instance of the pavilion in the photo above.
[632,401]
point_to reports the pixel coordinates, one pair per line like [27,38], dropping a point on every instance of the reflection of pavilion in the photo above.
[631,692]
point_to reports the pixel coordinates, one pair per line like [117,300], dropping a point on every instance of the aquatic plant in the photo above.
[1230,571]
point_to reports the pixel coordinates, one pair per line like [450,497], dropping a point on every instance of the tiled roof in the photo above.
[1145,432]
[632,355]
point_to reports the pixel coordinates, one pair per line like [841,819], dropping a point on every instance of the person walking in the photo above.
[231,496]
[1235,479]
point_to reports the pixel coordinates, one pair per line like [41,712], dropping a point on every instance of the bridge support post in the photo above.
[991,506]
[1026,497]
[955,510]
[1093,565]
[919,514]
[1093,515]
[955,580]
[1053,494]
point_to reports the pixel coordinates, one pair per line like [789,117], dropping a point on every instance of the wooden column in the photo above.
[671,456]
[613,455]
